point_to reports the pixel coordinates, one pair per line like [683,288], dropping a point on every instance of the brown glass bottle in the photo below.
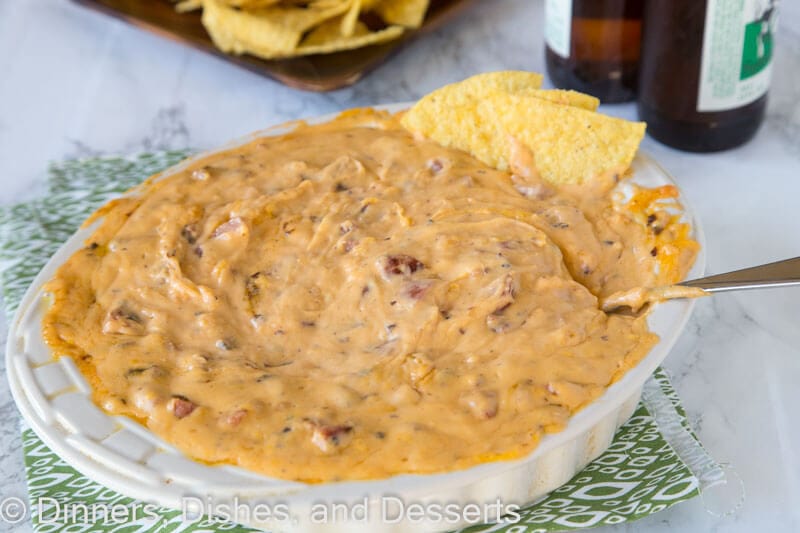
[597,50]
[699,92]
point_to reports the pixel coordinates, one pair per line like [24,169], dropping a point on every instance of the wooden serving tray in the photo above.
[322,72]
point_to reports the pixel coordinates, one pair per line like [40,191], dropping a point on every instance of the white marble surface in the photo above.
[75,83]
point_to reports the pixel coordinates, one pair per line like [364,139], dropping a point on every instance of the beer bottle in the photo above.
[705,71]
[592,46]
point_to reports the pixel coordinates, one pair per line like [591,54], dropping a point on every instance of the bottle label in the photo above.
[558,26]
[737,53]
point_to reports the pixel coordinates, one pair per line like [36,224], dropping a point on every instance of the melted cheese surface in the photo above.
[348,302]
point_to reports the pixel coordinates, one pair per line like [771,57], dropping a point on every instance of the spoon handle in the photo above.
[779,274]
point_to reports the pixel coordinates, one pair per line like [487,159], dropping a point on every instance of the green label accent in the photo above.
[757,51]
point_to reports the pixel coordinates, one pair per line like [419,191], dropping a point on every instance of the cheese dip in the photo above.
[348,302]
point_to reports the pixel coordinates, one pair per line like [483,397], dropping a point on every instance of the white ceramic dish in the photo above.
[119,453]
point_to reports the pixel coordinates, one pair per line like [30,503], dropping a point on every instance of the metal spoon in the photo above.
[779,274]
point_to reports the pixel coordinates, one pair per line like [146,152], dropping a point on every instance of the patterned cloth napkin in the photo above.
[654,462]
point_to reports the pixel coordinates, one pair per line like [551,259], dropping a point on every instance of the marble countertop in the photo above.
[76,83]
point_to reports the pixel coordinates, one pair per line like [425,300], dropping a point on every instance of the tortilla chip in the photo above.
[273,29]
[506,80]
[408,13]
[315,4]
[349,20]
[480,85]
[514,82]
[270,32]
[184,6]
[568,144]
[250,4]
[316,45]
[331,30]
[563,97]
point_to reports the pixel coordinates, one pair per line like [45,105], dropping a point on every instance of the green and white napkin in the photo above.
[654,462]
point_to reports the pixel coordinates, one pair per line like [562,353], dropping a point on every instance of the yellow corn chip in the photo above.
[514,82]
[274,29]
[432,114]
[477,86]
[560,96]
[250,4]
[349,20]
[315,4]
[506,80]
[569,144]
[269,32]
[331,30]
[184,6]
[408,13]
[485,116]
[357,40]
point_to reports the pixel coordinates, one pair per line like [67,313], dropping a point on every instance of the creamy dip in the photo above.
[348,302]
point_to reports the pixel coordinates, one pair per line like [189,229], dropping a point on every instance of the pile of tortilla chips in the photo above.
[492,115]
[273,29]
